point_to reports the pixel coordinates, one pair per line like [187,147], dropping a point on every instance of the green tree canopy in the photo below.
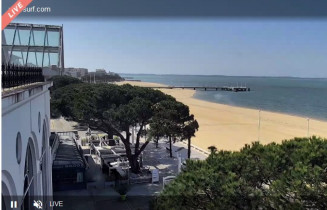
[102,78]
[61,81]
[291,175]
[114,109]
[172,119]
[188,131]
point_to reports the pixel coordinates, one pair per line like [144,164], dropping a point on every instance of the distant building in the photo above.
[101,76]
[111,73]
[76,72]
[100,72]
[51,71]
[83,71]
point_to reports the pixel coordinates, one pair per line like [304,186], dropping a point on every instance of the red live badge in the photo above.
[13,12]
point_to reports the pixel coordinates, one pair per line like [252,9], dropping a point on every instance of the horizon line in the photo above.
[298,77]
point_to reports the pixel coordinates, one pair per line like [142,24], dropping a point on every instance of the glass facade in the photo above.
[33,45]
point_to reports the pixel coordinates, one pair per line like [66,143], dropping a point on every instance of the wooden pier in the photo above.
[206,88]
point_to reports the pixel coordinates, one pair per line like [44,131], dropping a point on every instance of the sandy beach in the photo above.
[230,128]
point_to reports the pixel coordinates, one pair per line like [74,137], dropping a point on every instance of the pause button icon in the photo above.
[13,204]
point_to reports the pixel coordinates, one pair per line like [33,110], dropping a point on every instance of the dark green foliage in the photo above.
[189,131]
[172,119]
[99,78]
[292,175]
[122,188]
[61,81]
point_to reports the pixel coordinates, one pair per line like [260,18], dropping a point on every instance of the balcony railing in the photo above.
[15,75]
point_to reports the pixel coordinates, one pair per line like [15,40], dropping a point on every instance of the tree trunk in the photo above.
[128,135]
[170,147]
[138,136]
[157,142]
[110,135]
[132,158]
[189,148]
[135,166]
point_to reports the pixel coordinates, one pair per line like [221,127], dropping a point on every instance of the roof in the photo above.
[35,26]
[67,155]
[20,89]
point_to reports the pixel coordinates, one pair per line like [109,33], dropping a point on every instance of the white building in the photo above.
[100,72]
[83,71]
[49,72]
[76,72]
[26,154]
[37,51]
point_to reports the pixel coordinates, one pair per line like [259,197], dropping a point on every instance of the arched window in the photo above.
[18,147]
[39,122]
[28,180]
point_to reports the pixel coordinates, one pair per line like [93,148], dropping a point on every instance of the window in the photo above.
[39,122]
[18,147]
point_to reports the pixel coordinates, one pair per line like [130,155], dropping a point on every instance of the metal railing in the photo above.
[15,75]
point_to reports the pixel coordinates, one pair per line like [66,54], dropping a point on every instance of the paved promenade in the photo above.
[139,195]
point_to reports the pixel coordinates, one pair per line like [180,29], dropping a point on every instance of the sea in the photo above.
[295,96]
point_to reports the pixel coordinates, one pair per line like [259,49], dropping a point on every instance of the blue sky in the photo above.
[250,47]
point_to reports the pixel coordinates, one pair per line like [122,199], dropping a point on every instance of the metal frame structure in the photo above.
[29,48]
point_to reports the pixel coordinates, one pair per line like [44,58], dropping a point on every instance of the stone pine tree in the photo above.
[172,119]
[112,109]
[115,109]
[290,175]
[191,126]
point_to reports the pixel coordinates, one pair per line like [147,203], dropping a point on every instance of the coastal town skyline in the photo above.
[271,47]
